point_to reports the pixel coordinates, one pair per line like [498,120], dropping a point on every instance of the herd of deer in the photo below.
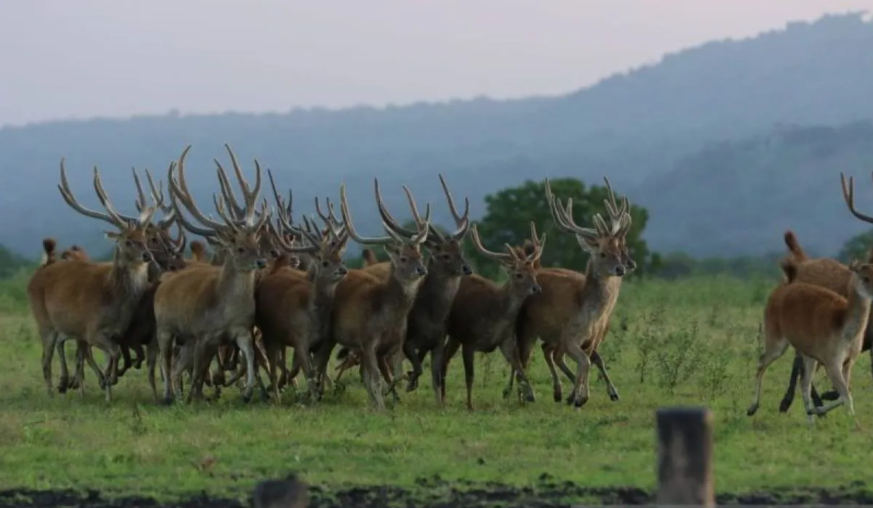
[271,284]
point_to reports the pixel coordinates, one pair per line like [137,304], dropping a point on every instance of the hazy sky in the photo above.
[82,58]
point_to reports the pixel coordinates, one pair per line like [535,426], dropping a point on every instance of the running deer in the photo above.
[483,313]
[548,314]
[583,315]
[212,304]
[370,314]
[446,265]
[93,302]
[827,273]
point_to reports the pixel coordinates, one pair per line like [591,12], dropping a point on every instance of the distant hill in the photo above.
[636,127]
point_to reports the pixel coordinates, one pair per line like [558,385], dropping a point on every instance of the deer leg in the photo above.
[437,356]
[387,375]
[113,351]
[183,363]
[468,354]
[151,363]
[411,353]
[245,342]
[373,379]
[64,383]
[127,362]
[773,349]
[509,348]
[549,356]
[321,360]
[580,383]
[610,388]
[807,367]
[165,352]
[78,379]
[140,356]
[304,357]
[835,373]
[452,347]
[49,343]
[200,363]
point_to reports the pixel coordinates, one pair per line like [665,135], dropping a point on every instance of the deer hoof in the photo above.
[581,401]
[614,396]
[784,405]
[558,396]
[752,410]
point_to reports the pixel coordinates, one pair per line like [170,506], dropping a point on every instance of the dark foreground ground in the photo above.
[436,493]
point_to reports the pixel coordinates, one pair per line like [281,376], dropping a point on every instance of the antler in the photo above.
[67,194]
[616,215]
[849,197]
[330,219]
[250,196]
[285,210]
[563,217]
[498,256]
[392,223]
[392,237]
[537,242]
[158,196]
[180,190]
[462,222]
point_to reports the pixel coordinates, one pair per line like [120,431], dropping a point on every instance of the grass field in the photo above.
[689,342]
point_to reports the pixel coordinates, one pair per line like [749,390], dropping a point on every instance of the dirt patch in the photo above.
[435,493]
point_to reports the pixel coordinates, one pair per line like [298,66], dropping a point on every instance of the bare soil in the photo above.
[435,493]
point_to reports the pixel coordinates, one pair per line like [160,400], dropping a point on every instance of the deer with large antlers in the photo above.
[580,321]
[294,310]
[483,314]
[369,313]
[550,312]
[446,265]
[93,302]
[212,304]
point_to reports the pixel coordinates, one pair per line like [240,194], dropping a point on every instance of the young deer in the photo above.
[483,314]
[212,304]
[92,302]
[446,265]
[581,319]
[824,327]
[827,273]
[370,314]
[549,312]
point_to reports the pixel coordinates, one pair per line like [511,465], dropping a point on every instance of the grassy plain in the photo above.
[688,342]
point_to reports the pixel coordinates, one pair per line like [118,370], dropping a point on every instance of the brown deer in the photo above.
[446,265]
[827,273]
[92,302]
[212,304]
[295,311]
[370,314]
[549,312]
[824,327]
[483,314]
[582,318]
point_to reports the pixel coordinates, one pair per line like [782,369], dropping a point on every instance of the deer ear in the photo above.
[112,235]
[588,243]
[855,265]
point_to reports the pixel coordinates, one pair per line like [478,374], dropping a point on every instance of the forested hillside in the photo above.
[652,124]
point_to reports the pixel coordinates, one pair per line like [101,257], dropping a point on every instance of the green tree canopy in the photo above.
[510,211]
[857,247]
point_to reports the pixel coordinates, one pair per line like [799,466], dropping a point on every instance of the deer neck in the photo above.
[437,293]
[508,301]
[236,284]
[321,298]
[857,313]
[600,292]
[400,294]
[129,280]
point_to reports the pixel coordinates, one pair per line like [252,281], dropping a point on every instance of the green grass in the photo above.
[691,342]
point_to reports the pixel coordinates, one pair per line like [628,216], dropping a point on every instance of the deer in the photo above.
[824,327]
[584,312]
[370,314]
[93,302]
[483,314]
[830,274]
[446,265]
[295,311]
[549,312]
[212,304]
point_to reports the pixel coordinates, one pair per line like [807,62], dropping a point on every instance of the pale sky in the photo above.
[84,58]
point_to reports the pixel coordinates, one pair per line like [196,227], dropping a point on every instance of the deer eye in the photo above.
[403,259]
[866,280]
[603,254]
[519,275]
[324,264]
[240,250]
[128,243]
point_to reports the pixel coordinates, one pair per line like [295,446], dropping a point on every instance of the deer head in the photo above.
[405,253]
[521,269]
[446,250]
[239,238]
[605,244]
[130,238]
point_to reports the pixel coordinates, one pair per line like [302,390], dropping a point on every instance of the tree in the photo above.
[510,211]
[856,247]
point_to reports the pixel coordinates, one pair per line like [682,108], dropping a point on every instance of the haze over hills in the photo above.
[727,144]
